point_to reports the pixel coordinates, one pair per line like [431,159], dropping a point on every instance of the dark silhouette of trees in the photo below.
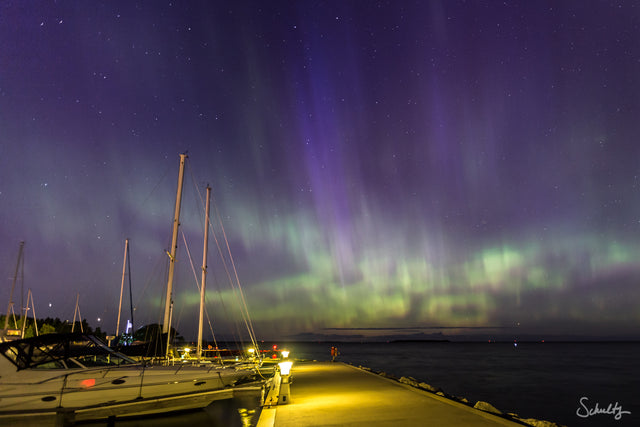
[49,325]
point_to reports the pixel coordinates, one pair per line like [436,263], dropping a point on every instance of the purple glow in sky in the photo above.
[456,166]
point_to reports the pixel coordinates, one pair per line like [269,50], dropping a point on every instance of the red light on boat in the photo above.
[90,382]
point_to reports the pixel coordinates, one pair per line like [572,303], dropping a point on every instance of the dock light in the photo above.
[251,350]
[185,353]
[285,368]
[285,390]
[285,354]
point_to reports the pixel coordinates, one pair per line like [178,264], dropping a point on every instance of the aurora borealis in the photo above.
[464,167]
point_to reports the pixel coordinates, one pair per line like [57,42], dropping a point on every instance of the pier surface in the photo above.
[332,394]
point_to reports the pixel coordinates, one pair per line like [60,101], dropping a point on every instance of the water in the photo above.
[550,381]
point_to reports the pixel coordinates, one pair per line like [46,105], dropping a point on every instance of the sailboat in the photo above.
[78,372]
[10,310]
[82,375]
[6,333]
[164,351]
[168,309]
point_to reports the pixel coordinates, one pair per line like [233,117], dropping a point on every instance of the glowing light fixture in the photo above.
[285,390]
[285,354]
[285,367]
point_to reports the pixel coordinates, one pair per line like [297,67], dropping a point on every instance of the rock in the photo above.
[538,423]
[386,375]
[440,394]
[487,407]
[429,387]
[409,381]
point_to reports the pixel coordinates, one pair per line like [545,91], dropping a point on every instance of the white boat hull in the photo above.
[58,373]
[106,385]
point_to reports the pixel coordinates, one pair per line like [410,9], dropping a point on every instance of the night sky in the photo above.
[455,167]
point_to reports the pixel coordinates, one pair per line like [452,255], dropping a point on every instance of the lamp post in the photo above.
[285,373]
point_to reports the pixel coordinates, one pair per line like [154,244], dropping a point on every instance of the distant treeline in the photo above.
[50,326]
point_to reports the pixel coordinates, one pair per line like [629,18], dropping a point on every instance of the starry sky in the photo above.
[454,167]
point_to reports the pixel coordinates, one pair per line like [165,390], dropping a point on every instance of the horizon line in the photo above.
[401,328]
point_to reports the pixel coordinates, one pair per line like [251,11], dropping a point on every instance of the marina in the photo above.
[333,213]
[64,378]
[537,384]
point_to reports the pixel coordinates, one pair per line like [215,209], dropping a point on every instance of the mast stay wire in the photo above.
[244,311]
[127,224]
[195,276]
[200,201]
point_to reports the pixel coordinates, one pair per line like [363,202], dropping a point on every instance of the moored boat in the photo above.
[76,371]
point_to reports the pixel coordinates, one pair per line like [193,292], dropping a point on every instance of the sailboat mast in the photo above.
[33,307]
[24,320]
[204,272]
[27,308]
[77,312]
[130,292]
[13,285]
[166,324]
[124,266]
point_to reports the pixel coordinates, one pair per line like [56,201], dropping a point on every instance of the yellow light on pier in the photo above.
[285,390]
[285,368]
[285,354]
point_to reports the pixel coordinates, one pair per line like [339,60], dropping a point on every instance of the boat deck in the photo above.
[331,394]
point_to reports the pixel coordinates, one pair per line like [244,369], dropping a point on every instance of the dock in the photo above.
[331,394]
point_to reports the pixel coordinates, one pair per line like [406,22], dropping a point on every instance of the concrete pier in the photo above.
[332,394]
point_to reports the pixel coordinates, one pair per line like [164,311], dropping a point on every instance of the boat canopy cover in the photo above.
[49,350]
